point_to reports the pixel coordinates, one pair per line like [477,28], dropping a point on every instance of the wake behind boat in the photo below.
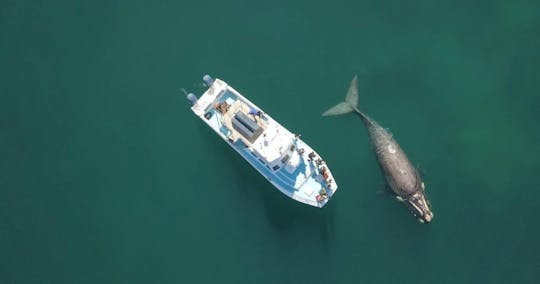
[290,164]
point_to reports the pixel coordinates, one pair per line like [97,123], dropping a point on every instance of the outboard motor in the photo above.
[191,98]
[208,80]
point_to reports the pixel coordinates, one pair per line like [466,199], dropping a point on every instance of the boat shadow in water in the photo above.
[293,222]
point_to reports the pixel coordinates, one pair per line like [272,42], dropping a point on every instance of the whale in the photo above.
[402,178]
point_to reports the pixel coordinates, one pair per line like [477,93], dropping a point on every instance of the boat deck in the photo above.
[237,119]
[235,109]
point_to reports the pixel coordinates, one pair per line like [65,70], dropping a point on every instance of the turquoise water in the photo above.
[108,177]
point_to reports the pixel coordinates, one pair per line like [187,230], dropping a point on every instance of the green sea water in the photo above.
[106,176]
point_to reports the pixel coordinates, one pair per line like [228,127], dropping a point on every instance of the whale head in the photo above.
[420,206]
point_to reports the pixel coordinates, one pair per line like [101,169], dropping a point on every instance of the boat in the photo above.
[282,157]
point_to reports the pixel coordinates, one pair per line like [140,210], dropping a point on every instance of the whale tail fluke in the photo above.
[351,101]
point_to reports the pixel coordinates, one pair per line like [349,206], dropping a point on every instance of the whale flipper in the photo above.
[350,103]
